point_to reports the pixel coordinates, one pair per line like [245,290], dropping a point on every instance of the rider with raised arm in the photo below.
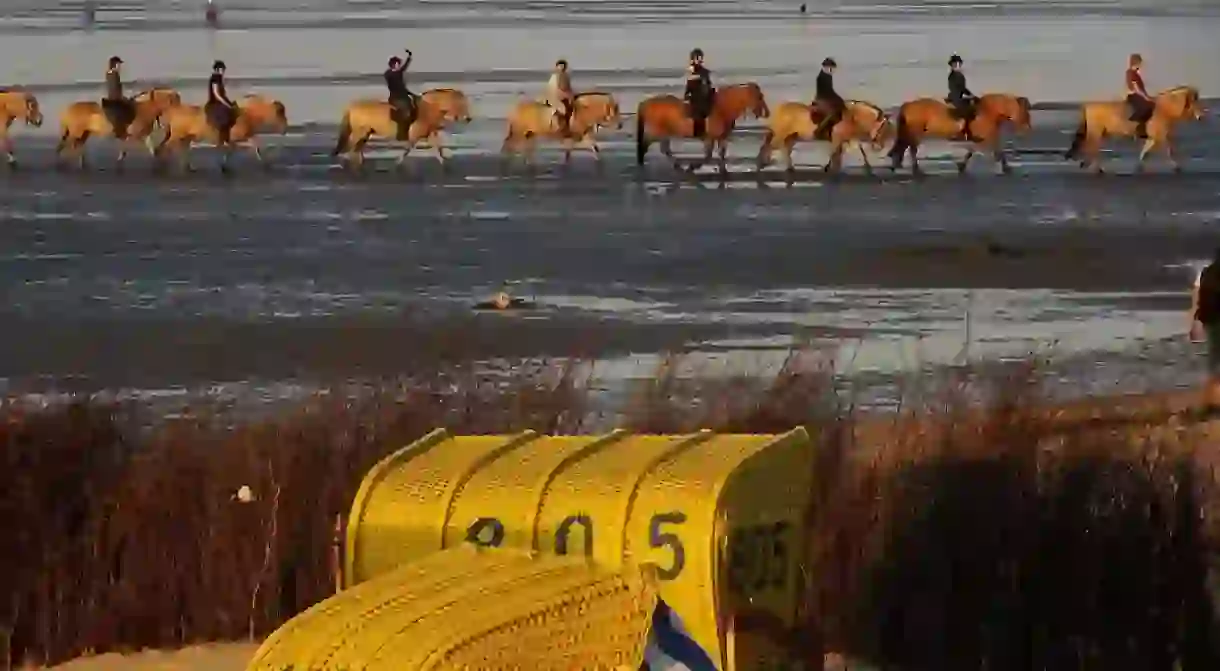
[960,97]
[826,100]
[1142,104]
[402,101]
[559,95]
[119,111]
[698,92]
[221,112]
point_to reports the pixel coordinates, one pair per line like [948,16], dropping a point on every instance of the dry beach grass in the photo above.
[1004,533]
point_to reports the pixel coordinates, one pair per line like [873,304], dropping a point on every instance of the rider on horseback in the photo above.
[402,101]
[699,92]
[826,102]
[220,111]
[960,97]
[119,111]
[1142,104]
[559,95]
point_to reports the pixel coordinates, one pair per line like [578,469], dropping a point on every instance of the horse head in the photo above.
[1006,107]
[603,109]
[1182,102]
[879,125]
[33,113]
[735,100]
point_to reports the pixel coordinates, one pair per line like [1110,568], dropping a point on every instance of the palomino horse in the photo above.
[186,125]
[1099,119]
[530,120]
[862,123]
[929,117]
[364,119]
[16,105]
[665,117]
[83,119]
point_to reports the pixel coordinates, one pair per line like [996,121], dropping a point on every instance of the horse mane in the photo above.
[442,90]
[582,94]
[864,103]
[1184,88]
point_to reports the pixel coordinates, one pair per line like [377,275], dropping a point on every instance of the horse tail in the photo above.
[764,151]
[902,140]
[63,139]
[1082,132]
[641,137]
[345,132]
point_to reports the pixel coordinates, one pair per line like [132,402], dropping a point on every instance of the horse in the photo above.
[862,122]
[80,120]
[930,117]
[17,105]
[365,118]
[1099,119]
[530,120]
[665,117]
[186,125]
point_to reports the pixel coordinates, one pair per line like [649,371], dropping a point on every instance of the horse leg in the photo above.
[79,147]
[258,153]
[1001,157]
[530,150]
[915,169]
[406,151]
[1149,145]
[965,162]
[435,140]
[7,141]
[789,146]
[668,151]
[358,150]
[1172,153]
[868,167]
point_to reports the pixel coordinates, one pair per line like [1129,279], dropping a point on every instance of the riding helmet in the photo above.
[829,63]
[219,65]
[115,60]
[696,53]
[395,61]
[955,60]
[562,61]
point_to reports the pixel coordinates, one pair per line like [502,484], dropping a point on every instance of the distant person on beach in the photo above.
[699,92]
[960,96]
[402,101]
[1205,324]
[119,111]
[211,15]
[1142,104]
[221,112]
[826,100]
[559,94]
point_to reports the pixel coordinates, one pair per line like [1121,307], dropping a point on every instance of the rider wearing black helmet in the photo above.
[960,97]
[402,101]
[221,112]
[826,100]
[699,92]
[119,111]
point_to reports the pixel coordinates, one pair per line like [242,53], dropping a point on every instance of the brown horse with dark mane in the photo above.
[82,120]
[930,117]
[662,118]
[1099,119]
